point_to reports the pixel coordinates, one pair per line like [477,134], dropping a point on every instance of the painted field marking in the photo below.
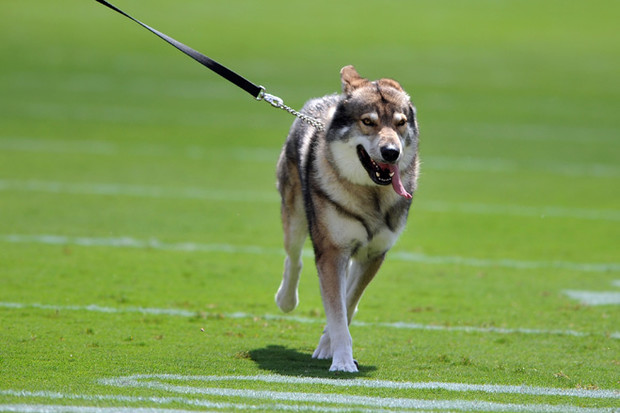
[54,408]
[200,403]
[297,319]
[596,297]
[143,380]
[129,242]
[227,195]
[324,401]
[155,382]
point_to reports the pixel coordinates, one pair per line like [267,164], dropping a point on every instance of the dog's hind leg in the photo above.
[287,296]
[295,232]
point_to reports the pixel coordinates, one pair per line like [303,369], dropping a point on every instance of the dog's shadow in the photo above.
[291,362]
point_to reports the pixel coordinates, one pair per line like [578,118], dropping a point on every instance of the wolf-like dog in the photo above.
[350,187]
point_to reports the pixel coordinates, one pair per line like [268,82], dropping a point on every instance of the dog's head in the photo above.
[373,131]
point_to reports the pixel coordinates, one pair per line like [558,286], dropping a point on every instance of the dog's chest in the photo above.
[378,245]
[366,235]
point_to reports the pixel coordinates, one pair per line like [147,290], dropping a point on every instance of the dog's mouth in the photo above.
[382,173]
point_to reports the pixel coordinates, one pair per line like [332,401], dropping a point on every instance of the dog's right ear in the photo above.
[350,79]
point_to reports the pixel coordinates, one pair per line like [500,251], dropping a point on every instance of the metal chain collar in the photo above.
[277,102]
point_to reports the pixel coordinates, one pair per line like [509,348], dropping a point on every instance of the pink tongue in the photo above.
[396,182]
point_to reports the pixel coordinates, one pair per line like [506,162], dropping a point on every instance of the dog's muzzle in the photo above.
[383,173]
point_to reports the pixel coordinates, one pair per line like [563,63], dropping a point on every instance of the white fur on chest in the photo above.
[348,233]
[380,243]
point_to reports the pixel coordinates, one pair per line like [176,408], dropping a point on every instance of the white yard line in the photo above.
[142,380]
[107,310]
[231,195]
[129,242]
[201,403]
[297,319]
[324,401]
[594,297]
[55,408]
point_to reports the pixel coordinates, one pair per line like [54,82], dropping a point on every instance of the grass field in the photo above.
[140,242]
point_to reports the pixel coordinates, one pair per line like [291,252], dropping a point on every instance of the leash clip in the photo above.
[274,101]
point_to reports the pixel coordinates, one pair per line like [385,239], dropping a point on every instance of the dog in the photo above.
[349,186]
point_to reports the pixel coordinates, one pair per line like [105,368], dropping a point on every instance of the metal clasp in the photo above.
[275,101]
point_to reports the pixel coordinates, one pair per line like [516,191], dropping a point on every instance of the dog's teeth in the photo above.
[391,174]
[377,174]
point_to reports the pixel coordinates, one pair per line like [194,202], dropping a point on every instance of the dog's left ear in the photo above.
[350,79]
[386,82]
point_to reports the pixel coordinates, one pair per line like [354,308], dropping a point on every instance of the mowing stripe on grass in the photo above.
[103,148]
[204,194]
[129,242]
[519,210]
[297,319]
[140,191]
[495,165]
[468,164]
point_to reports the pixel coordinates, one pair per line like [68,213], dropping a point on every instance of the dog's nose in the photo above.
[390,153]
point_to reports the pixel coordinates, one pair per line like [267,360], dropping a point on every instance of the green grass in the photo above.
[108,133]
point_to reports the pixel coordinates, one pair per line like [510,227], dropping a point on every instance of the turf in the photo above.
[140,233]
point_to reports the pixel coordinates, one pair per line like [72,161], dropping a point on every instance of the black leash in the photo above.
[258,92]
[223,71]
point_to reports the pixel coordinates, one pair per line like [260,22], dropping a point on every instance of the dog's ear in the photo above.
[350,79]
[386,82]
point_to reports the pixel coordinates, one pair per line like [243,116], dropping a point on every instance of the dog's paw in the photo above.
[324,349]
[286,299]
[348,365]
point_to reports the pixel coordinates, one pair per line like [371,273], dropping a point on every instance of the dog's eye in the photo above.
[401,121]
[368,122]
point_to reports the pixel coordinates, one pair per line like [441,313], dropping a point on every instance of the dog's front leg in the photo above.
[360,275]
[336,341]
